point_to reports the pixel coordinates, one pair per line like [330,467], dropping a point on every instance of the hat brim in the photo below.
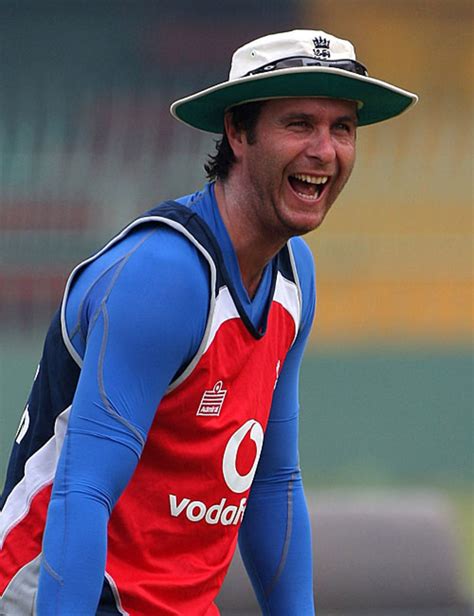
[377,100]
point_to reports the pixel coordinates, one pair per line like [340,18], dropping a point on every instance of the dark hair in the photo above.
[244,117]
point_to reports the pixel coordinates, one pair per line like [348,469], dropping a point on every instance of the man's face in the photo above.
[300,160]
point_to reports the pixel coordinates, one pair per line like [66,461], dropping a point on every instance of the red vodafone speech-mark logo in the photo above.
[240,483]
[223,512]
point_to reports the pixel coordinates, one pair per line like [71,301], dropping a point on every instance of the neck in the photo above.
[253,249]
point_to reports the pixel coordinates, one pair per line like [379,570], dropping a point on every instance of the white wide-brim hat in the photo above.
[300,63]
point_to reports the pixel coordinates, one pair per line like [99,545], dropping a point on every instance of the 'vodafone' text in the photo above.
[196,511]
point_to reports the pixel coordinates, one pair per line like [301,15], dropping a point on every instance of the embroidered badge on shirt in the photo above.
[212,400]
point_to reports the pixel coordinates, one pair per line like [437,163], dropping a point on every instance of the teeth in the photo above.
[311,179]
[313,197]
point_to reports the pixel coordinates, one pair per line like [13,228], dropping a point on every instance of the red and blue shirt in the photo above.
[164,419]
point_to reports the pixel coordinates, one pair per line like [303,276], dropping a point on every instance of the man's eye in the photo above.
[299,124]
[342,126]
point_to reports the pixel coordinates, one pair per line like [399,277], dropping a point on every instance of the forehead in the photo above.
[313,106]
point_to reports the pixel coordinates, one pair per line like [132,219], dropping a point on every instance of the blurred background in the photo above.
[87,142]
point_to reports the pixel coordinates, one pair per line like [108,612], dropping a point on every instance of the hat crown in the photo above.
[273,47]
[294,64]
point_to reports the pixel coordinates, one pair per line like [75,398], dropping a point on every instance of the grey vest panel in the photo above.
[19,597]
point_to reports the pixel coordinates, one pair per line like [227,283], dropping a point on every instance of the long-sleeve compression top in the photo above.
[151,332]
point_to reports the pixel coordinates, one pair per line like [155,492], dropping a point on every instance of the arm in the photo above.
[140,328]
[275,537]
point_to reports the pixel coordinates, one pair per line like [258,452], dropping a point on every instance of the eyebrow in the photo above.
[349,118]
[309,117]
[298,116]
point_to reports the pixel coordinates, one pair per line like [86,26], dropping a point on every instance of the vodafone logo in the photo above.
[223,512]
[220,513]
[240,483]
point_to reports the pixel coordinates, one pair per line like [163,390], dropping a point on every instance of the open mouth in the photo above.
[308,186]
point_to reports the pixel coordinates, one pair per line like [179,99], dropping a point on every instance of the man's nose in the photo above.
[321,146]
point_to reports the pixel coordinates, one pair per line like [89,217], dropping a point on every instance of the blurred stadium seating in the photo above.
[375,554]
[87,142]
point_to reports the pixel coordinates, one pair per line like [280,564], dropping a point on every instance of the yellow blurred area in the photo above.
[395,258]
[395,311]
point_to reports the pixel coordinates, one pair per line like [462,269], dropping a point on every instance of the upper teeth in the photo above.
[311,179]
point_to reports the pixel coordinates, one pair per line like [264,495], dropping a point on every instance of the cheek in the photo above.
[265,166]
[347,157]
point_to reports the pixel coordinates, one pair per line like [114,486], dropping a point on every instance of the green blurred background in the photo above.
[86,142]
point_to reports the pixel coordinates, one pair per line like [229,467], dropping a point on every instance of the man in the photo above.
[177,350]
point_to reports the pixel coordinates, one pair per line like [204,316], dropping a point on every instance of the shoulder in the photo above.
[147,252]
[151,281]
[151,262]
[160,246]
[303,257]
[304,263]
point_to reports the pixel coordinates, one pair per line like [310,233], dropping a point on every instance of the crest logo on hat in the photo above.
[321,48]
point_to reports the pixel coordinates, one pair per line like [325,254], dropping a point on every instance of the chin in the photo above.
[293,229]
[302,218]
[300,225]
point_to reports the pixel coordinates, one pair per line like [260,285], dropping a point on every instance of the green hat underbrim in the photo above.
[377,100]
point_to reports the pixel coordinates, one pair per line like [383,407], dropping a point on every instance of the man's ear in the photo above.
[237,138]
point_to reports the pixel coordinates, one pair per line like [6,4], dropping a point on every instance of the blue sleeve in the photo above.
[275,536]
[136,315]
